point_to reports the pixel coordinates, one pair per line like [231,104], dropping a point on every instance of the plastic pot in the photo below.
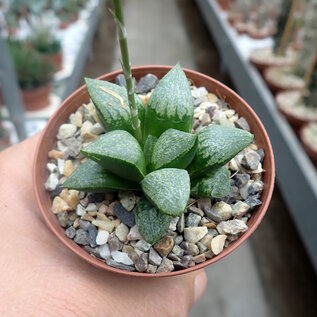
[48,141]
[37,98]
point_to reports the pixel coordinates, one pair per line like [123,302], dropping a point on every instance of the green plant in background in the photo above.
[159,156]
[32,69]
[44,41]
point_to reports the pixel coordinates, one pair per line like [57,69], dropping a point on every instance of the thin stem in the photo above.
[126,67]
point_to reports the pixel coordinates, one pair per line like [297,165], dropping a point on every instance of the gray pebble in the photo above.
[125,216]
[173,224]
[196,210]
[261,153]
[192,220]
[141,264]
[92,234]
[154,257]
[189,248]
[212,215]
[242,123]
[241,179]
[181,223]
[70,232]
[178,239]
[81,237]
[114,243]
[84,224]
[120,266]
[178,250]
[166,266]
[173,257]
[251,160]
[74,146]
[151,269]
[146,84]
[143,246]
[253,201]
[120,80]
[202,247]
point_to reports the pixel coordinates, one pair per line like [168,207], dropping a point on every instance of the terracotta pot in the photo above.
[312,153]
[55,59]
[65,24]
[48,141]
[38,98]
[224,4]
[276,86]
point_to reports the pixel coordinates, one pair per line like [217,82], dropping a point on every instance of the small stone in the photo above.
[91,207]
[205,120]
[146,84]
[73,146]
[202,248]
[134,234]
[186,261]
[104,225]
[80,210]
[241,179]
[120,80]
[81,237]
[151,269]
[223,210]
[199,93]
[127,200]
[66,130]
[59,205]
[173,224]
[194,234]
[103,209]
[192,220]
[125,216]
[199,258]
[217,243]
[143,246]
[76,119]
[87,217]
[60,166]
[51,182]
[63,218]
[253,201]
[154,257]
[204,203]
[86,133]
[164,246]
[97,129]
[178,239]
[84,224]
[104,251]
[209,255]
[121,257]
[121,232]
[251,188]
[84,202]
[196,210]
[70,232]
[68,168]
[240,209]
[119,266]
[51,167]
[232,227]
[242,123]
[114,243]
[181,223]
[102,237]
[178,250]
[261,153]
[129,250]
[166,266]
[251,160]
[71,197]
[92,234]
[190,248]
[53,154]
[76,223]
[173,257]
[206,239]
[141,264]
[211,225]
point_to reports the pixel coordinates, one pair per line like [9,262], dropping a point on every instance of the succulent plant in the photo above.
[44,41]
[152,149]
[31,68]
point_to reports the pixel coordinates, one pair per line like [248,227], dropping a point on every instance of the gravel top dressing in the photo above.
[104,224]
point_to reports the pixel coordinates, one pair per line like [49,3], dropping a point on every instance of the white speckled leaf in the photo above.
[91,177]
[171,104]
[168,189]
[148,149]
[118,152]
[174,148]
[217,145]
[151,222]
[215,184]
[111,102]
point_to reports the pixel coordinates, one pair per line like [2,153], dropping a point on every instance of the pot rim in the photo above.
[163,69]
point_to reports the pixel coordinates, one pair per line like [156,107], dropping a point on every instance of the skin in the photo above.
[40,277]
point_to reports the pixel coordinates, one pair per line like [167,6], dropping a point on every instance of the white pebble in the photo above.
[102,237]
[121,257]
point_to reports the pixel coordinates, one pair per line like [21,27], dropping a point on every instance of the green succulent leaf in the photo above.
[174,148]
[151,222]
[148,150]
[171,104]
[217,145]
[215,184]
[111,102]
[168,189]
[118,152]
[91,177]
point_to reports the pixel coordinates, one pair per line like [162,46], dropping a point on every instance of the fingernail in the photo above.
[200,284]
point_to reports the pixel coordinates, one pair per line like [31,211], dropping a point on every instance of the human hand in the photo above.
[41,277]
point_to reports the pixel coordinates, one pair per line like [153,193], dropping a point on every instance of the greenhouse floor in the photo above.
[270,274]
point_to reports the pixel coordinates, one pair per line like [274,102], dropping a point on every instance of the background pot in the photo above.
[48,141]
[225,4]
[37,98]
[55,59]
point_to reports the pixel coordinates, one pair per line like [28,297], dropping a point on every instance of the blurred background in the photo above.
[264,50]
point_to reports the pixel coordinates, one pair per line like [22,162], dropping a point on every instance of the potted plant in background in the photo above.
[44,41]
[34,75]
[280,55]
[149,148]
[66,11]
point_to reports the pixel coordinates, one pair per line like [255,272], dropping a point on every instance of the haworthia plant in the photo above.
[154,158]
[171,104]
